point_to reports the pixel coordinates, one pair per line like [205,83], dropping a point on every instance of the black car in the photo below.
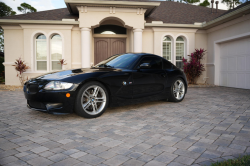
[124,77]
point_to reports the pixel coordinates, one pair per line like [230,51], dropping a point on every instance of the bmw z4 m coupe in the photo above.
[89,91]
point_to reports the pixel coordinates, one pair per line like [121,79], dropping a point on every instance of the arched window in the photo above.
[108,32]
[56,52]
[41,52]
[166,48]
[180,47]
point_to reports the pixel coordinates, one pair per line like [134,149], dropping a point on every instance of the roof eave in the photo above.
[150,6]
[17,22]
[227,17]
[169,25]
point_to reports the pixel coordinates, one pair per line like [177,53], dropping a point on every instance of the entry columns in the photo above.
[85,47]
[137,40]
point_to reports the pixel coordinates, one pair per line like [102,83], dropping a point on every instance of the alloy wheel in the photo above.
[93,100]
[179,89]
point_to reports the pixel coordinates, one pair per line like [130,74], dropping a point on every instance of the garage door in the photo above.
[235,64]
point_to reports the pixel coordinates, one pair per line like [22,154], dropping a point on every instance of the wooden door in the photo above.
[102,49]
[106,47]
[118,46]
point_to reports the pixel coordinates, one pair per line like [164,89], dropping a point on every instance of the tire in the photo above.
[177,94]
[90,104]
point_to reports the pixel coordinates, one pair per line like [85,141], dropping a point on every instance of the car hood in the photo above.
[74,75]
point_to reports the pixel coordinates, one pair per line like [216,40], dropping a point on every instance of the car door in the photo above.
[118,82]
[150,81]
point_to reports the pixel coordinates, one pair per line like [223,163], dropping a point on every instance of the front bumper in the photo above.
[54,102]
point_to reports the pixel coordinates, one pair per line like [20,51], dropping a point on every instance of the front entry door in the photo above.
[106,47]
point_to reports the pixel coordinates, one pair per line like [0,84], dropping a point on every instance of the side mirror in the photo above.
[145,66]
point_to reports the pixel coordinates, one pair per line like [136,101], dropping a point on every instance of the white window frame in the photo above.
[36,53]
[171,44]
[48,52]
[184,48]
[50,56]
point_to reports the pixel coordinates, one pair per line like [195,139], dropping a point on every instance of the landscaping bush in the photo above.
[193,69]
[21,67]
[241,161]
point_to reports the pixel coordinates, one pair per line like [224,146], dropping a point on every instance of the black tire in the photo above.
[173,97]
[78,104]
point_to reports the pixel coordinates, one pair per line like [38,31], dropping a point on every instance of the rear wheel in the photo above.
[91,100]
[178,90]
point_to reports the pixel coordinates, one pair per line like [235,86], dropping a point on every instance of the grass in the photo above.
[241,161]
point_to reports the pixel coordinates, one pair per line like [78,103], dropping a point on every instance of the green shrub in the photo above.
[2,80]
[241,161]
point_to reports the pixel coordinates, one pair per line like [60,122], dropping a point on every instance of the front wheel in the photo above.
[91,100]
[178,90]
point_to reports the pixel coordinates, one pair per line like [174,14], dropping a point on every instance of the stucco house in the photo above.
[87,32]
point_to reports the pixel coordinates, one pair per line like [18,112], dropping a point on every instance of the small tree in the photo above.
[21,67]
[205,3]
[5,10]
[194,68]
[26,8]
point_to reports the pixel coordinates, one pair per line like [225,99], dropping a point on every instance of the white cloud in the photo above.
[40,5]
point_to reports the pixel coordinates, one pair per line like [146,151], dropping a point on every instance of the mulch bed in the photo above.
[200,85]
[4,87]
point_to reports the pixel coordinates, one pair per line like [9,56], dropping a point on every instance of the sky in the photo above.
[42,5]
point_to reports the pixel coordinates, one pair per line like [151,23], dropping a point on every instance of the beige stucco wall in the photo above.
[173,33]
[94,16]
[76,48]
[239,27]
[201,42]
[152,42]
[148,40]
[13,49]
[19,42]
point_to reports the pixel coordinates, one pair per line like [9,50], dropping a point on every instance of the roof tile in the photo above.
[168,12]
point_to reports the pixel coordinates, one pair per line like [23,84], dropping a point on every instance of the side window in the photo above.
[167,64]
[154,62]
[41,52]
[56,52]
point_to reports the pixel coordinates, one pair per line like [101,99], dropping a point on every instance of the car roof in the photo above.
[141,54]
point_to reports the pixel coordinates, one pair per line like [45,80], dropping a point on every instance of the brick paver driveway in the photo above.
[210,124]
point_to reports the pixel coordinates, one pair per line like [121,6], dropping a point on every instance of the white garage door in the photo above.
[235,64]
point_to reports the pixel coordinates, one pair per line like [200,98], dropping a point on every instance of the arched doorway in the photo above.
[110,39]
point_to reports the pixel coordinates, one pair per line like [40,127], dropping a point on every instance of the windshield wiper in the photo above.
[107,66]
[104,65]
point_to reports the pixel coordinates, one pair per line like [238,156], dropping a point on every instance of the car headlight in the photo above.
[57,85]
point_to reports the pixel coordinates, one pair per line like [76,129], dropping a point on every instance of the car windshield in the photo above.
[118,61]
